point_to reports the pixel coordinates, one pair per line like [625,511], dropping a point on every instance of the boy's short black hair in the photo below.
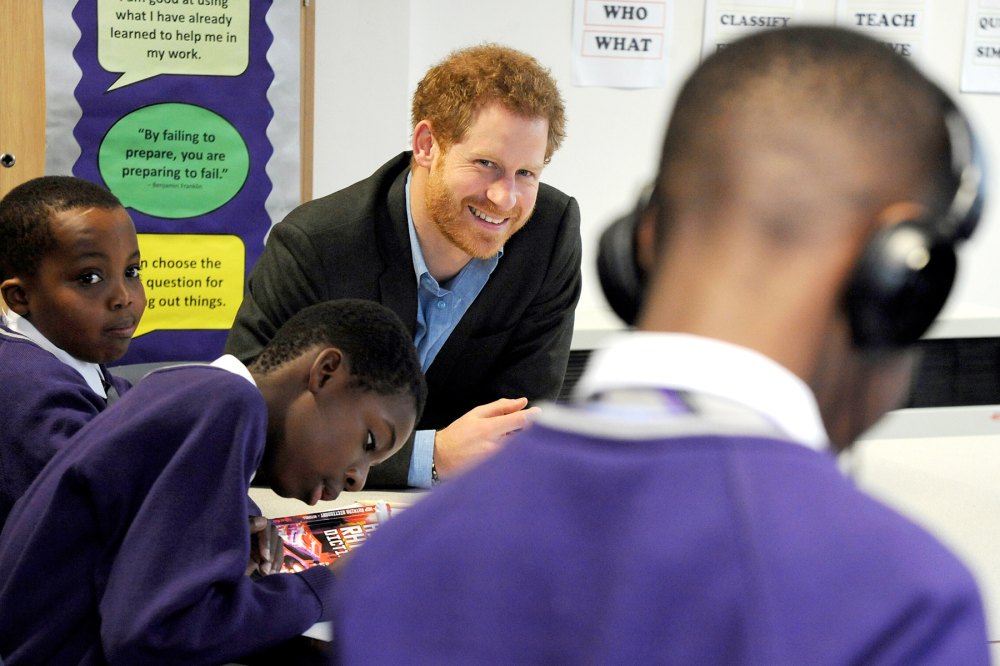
[379,349]
[26,212]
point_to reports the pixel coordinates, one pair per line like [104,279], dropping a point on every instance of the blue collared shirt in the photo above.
[439,309]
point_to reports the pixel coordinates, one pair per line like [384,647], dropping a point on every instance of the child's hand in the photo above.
[267,551]
[339,563]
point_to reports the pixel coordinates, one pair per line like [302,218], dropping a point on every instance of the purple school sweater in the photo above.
[44,402]
[573,548]
[131,545]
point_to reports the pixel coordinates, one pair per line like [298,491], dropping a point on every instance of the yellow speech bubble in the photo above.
[146,38]
[193,281]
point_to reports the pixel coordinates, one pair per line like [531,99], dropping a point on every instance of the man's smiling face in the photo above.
[482,189]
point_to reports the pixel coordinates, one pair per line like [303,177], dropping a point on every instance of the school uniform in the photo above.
[685,510]
[132,544]
[46,396]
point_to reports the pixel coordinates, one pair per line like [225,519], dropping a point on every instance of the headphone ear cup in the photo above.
[899,285]
[618,269]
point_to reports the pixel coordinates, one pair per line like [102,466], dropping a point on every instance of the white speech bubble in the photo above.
[146,38]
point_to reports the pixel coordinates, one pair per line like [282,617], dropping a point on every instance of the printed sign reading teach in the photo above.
[145,38]
[899,24]
[192,281]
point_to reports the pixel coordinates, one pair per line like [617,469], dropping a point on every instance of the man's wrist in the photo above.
[435,479]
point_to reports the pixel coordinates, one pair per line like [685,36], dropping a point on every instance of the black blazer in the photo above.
[514,339]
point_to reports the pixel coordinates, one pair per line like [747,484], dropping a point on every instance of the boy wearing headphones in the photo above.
[132,546]
[69,273]
[688,507]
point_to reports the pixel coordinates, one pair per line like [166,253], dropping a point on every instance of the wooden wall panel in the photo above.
[22,86]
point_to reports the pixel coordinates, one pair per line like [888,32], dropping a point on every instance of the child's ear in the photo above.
[15,294]
[328,365]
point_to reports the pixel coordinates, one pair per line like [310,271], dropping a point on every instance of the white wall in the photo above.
[362,93]
[371,53]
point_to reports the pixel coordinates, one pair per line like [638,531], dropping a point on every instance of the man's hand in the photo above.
[267,551]
[478,433]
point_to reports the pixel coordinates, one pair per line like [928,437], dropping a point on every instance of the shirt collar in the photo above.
[91,372]
[419,263]
[230,363]
[234,365]
[712,367]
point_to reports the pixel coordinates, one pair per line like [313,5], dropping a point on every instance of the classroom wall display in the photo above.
[622,45]
[168,104]
[900,24]
[981,53]
[727,20]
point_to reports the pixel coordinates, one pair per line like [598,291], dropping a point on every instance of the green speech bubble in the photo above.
[145,38]
[173,160]
[192,281]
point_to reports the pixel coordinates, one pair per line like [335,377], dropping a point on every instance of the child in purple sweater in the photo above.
[69,273]
[132,545]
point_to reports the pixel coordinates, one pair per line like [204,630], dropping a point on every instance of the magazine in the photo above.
[321,538]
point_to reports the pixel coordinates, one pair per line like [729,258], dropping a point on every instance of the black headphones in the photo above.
[622,278]
[901,280]
[906,271]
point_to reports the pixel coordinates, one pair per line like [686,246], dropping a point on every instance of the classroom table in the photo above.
[312,649]
[273,506]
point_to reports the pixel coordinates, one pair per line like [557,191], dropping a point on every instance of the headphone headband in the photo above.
[967,166]
[900,282]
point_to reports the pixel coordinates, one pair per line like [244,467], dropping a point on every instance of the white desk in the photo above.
[941,467]
[273,506]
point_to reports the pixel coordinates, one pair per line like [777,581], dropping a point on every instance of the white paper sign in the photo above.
[981,57]
[900,24]
[621,44]
[727,21]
